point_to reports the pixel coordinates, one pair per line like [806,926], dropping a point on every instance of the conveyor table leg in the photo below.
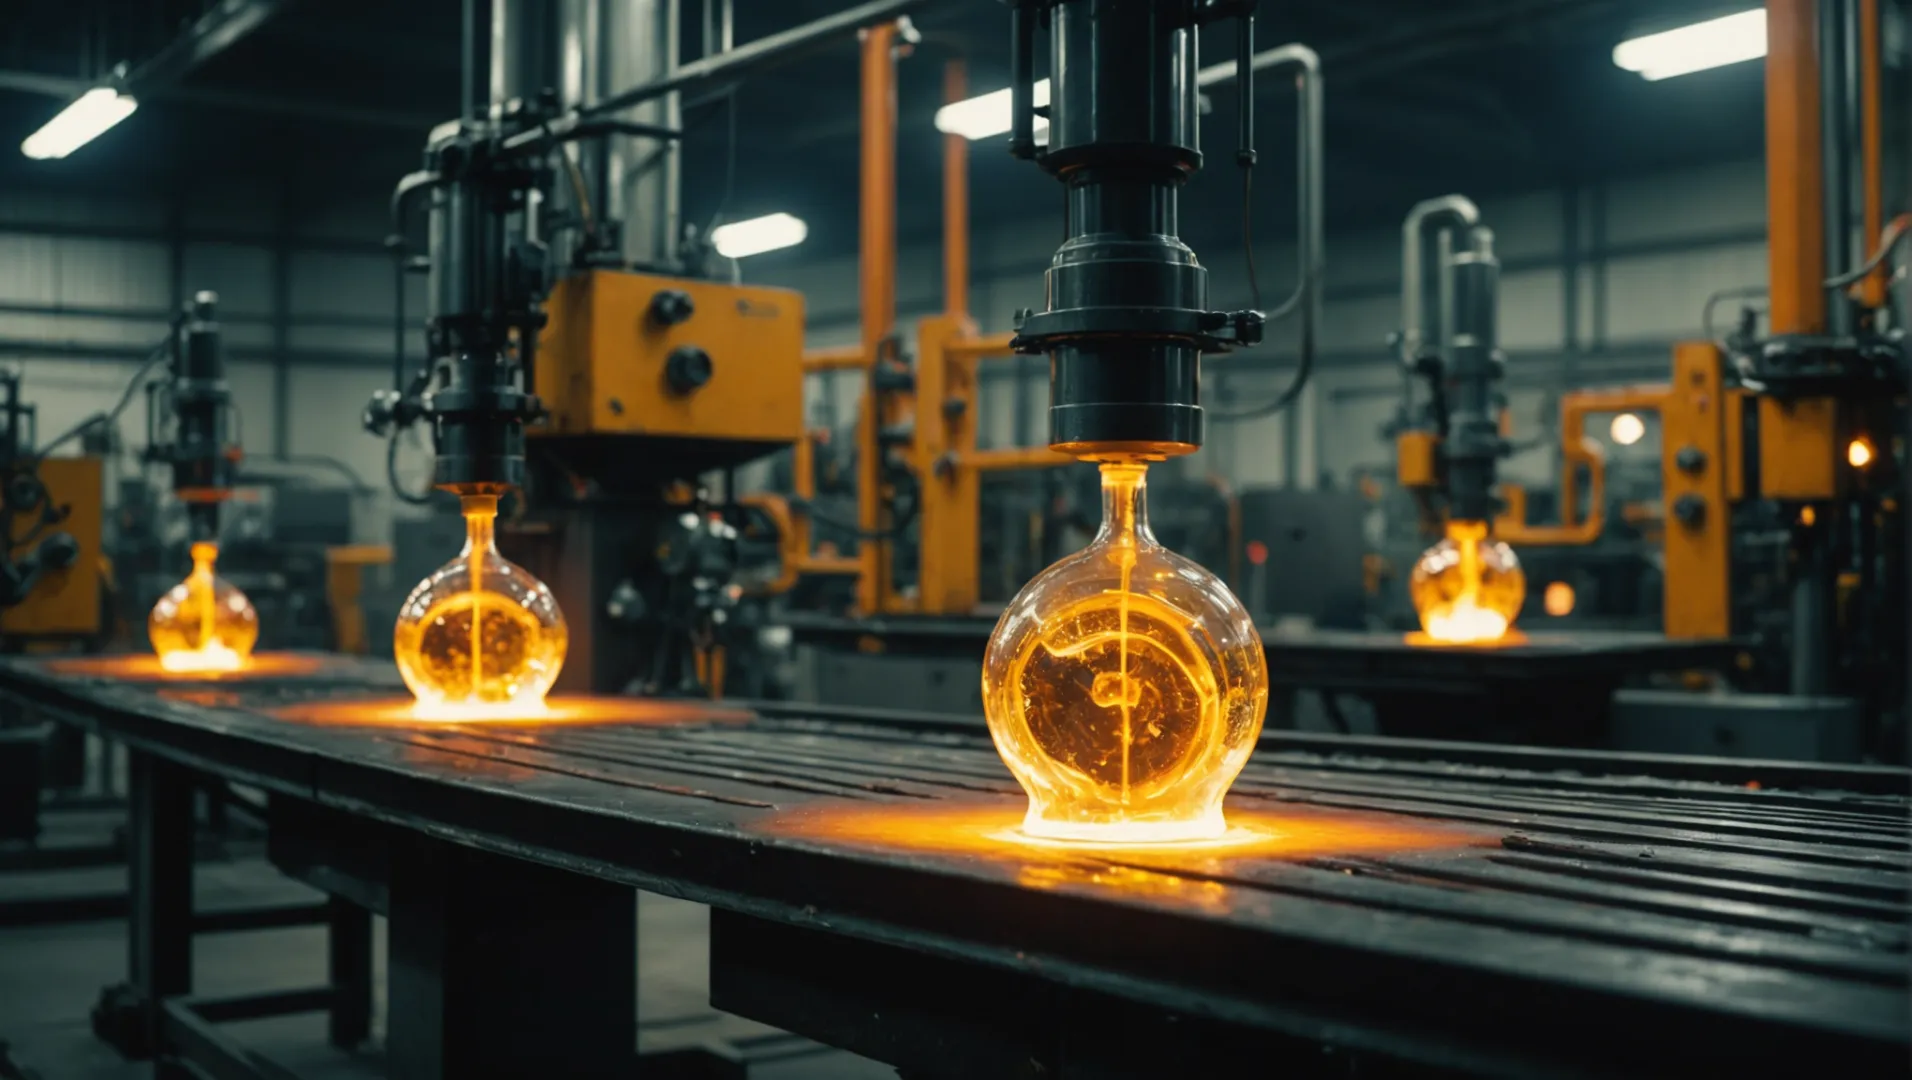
[500,967]
[349,957]
[160,881]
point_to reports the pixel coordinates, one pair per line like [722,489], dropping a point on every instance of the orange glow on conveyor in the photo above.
[400,712]
[995,830]
[140,667]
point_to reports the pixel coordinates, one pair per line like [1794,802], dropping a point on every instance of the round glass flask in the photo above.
[1468,588]
[480,636]
[1125,685]
[203,624]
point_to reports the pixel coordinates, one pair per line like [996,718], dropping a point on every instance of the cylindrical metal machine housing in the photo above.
[1127,319]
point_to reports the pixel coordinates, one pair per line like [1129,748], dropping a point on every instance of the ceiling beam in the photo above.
[221,27]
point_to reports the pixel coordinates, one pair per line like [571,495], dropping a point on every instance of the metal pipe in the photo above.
[955,201]
[643,183]
[1447,211]
[761,53]
[1795,211]
[1872,141]
[1838,104]
[876,271]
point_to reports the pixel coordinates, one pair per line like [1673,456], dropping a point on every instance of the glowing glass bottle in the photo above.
[1125,685]
[1467,588]
[203,624]
[479,637]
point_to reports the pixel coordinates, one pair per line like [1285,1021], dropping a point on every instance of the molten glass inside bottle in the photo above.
[203,624]
[479,638]
[1125,685]
[1468,588]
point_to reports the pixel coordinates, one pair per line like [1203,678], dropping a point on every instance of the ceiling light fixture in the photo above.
[1730,39]
[90,115]
[741,239]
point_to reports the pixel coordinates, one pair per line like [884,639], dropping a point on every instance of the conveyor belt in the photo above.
[1504,913]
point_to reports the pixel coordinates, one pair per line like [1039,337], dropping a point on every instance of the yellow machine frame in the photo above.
[603,361]
[935,399]
[66,604]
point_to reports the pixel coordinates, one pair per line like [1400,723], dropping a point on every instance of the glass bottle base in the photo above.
[1210,826]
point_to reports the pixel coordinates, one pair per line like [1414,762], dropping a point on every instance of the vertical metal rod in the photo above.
[1022,80]
[349,963]
[955,201]
[1838,102]
[468,69]
[160,959]
[728,35]
[1795,208]
[709,41]
[876,266]
[1872,141]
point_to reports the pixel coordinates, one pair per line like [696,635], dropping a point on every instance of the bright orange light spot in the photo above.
[203,624]
[1125,686]
[1468,588]
[1255,831]
[1808,516]
[143,667]
[561,710]
[479,639]
[1859,453]
[1558,599]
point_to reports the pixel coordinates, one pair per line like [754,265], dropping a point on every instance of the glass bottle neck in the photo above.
[481,519]
[1125,508]
[203,557]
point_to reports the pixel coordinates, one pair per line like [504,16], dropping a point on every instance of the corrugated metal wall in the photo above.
[87,284]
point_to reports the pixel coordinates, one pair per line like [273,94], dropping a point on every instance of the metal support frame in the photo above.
[142,1018]
[485,981]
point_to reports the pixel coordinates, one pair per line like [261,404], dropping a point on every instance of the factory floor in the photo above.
[50,977]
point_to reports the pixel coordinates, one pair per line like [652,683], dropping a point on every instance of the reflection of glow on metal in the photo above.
[996,829]
[135,667]
[401,712]
[1467,589]
[203,624]
[1859,453]
[479,639]
[1558,599]
[1125,686]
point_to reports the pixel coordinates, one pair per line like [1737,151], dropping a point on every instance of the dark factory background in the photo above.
[1642,320]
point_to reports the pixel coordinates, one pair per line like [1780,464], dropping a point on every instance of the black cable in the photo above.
[160,352]
[391,475]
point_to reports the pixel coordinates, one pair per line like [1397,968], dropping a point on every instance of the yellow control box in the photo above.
[64,603]
[640,354]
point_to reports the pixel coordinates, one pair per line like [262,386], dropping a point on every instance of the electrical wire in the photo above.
[391,475]
[1900,228]
[160,352]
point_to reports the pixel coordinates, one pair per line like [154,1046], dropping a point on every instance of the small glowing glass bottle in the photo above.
[1125,685]
[1467,588]
[203,624]
[479,637]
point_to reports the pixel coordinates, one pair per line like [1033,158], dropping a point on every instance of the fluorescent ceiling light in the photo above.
[987,115]
[741,239]
[1730,39]
[79,123]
